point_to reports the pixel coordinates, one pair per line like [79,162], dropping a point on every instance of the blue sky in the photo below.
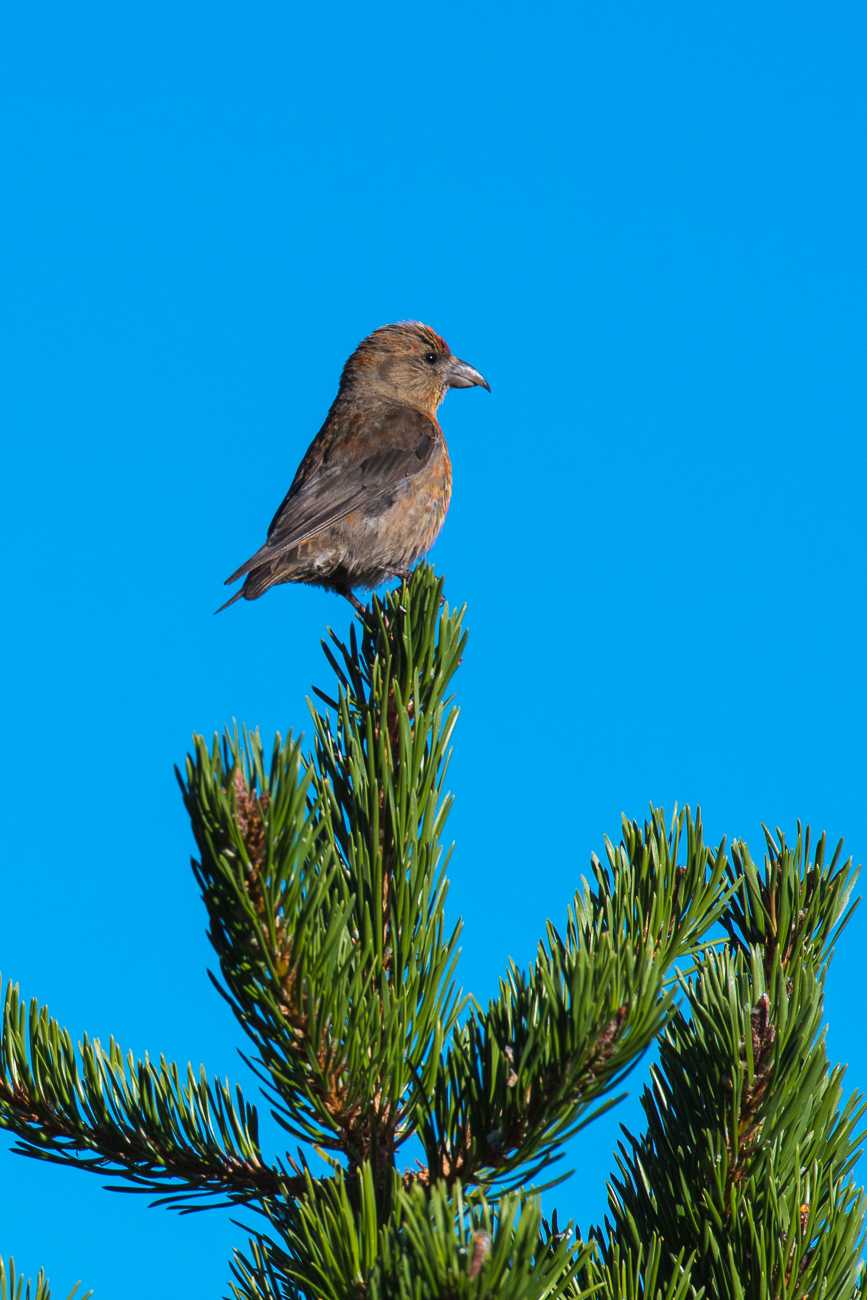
[645,226]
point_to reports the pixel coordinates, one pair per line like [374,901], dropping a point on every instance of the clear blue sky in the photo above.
[645,224]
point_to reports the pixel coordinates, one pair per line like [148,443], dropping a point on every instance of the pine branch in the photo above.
[799,909]
[102,1112]
[325,884]
[434,1246]
[279,911]
[379,779]
[636,1272]
[748,1155]
[523,1077]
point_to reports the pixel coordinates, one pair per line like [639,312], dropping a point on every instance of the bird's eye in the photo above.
[431,358]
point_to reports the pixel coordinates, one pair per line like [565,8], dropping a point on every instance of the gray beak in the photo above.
[460,375]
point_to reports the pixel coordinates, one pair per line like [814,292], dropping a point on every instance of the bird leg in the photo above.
[365,613]
[355,602]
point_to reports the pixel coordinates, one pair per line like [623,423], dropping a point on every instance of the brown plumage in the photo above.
[372,491]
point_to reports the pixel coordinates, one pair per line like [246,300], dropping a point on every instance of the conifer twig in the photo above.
[99,1111]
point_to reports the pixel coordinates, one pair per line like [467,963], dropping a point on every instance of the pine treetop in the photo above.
[323,872]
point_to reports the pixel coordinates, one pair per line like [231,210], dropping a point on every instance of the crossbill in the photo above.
[371,494]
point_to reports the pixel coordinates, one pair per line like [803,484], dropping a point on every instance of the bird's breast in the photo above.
[420,509]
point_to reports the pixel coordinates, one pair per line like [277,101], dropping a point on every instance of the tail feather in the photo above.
[239,573]
[247,589]
[230,601]
[264,554]
[258,581]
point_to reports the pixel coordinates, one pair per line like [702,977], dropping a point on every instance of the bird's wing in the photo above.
[358,476]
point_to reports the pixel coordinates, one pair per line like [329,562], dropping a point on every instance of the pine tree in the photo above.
[323,875]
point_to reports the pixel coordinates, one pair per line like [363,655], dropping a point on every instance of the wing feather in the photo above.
[394,449]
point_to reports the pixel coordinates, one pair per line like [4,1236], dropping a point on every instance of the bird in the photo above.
[371,494]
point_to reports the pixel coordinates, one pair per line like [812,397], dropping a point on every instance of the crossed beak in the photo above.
[460,375]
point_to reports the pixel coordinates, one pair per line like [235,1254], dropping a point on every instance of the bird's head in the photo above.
[408,363]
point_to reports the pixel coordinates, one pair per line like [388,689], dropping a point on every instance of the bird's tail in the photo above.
[230,601]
